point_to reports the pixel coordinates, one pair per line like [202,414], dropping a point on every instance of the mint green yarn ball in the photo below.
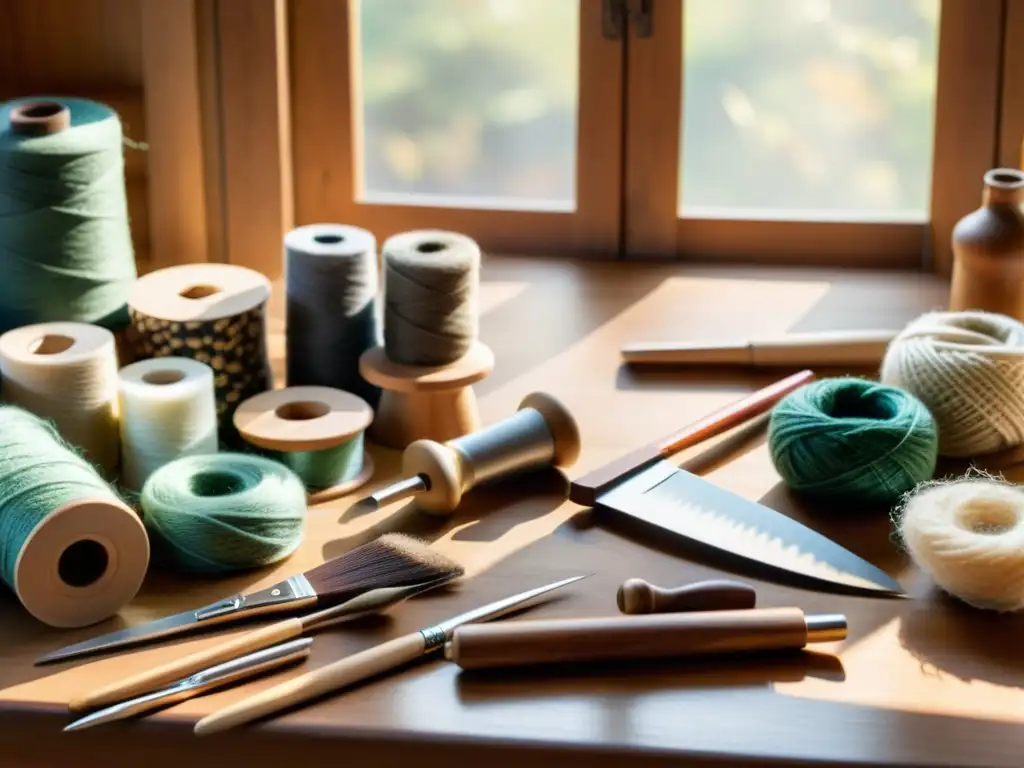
[223,512]
[853,440]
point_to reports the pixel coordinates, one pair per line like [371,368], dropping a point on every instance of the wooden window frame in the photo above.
[240,94]
[966,116]
[323,95]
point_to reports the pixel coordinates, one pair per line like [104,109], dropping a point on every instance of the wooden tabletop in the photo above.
[924,681]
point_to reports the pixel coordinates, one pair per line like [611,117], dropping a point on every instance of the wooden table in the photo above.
[922,681]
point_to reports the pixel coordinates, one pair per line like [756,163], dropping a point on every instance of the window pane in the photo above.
[808,109]
[468,103]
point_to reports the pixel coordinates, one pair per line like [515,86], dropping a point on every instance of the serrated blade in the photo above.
[689,506]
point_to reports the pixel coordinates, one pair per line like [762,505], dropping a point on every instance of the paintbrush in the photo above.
[393,560]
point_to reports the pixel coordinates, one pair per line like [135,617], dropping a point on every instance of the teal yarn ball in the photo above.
[853,440]
[39,472]
[64,227]
[223,512]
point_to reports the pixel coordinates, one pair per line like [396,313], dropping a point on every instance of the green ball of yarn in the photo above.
[223,512]
[854,440]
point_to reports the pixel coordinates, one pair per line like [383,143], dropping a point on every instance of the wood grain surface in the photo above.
[924,681]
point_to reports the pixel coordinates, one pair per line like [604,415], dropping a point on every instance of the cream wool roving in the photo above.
[968,535]
[968,370]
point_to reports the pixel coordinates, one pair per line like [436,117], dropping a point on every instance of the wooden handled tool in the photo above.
[853,348]
[585,490]
[637,596]
[620,638]
[541,433]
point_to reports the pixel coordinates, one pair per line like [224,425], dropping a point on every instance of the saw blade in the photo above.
[689,506]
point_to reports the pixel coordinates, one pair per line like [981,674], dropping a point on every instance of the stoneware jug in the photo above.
[988,249]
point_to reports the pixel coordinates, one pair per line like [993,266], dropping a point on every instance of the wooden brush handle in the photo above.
[586,489]
[312,685]
[856,348]
[521,643]
[152,679]
[637,596]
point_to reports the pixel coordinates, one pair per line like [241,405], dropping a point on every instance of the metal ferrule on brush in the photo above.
[296,592]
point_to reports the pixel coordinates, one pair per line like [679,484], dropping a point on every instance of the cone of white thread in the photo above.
[66,373]
[168,410]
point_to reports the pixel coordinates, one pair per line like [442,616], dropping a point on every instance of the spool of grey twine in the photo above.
[431,281]
[331,312]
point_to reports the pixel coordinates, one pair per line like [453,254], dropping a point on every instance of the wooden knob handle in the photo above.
[637,596]
[40,118]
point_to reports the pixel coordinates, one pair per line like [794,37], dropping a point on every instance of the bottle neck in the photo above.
[1003,186]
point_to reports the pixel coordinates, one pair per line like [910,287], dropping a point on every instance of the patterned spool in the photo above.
[225,329]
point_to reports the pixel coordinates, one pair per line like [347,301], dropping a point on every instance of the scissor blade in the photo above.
[693,508]
[171,625]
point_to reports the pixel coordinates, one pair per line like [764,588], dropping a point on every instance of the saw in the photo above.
[645,486]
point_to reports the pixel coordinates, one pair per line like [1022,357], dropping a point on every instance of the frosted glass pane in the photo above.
[808,109]
[468,103]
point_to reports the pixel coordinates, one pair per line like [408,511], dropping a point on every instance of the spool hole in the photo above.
[83,563]
[51,344]
[199,291]
[302,410]
[207,484]
[988,516]
[163,378]
[851,404]
[1006,177]
[42,110]
[431,247]
[326,239]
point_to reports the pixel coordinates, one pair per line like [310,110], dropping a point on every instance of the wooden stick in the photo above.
[586,489]
[850,348]
[652,636]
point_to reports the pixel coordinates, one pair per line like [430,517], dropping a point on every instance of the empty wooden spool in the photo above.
[424,402]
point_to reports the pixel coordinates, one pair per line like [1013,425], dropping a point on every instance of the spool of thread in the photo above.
[64,230]
[968,535]
[317,432]
[852,439]
[67,373]
[331,311]
[213,313]
[222,513]
[431,281]
[968,369]
[71,550]
[167,411]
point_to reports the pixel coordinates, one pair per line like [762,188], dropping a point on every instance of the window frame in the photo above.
[324,136]
[966,117]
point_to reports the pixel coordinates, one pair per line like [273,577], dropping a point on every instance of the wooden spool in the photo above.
[298,420]
[425,402]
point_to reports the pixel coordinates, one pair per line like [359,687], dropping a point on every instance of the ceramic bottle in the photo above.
[988,249]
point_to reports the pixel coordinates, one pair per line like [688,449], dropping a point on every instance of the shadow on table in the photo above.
[486,514]
[641,677]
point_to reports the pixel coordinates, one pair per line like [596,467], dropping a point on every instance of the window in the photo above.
[850,132]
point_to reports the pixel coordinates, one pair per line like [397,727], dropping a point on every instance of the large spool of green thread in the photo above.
[317,432]
[64,228]
[73,552]
[853,440]
[224,512]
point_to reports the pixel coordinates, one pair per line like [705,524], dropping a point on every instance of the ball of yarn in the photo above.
[968,369]
[968,535]
[223,512]
[853,439]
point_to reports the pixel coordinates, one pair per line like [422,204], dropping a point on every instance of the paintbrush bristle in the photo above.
[393,560]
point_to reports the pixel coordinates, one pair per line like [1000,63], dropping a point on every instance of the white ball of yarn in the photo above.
[969,536]
[968,369]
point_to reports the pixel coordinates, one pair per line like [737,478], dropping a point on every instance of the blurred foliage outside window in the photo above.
[792,108]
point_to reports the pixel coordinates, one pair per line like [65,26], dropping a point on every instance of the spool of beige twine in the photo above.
[968,370]
[431,280]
